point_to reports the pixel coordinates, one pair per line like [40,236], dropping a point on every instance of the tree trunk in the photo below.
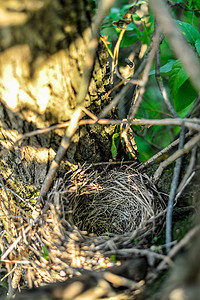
[42,52]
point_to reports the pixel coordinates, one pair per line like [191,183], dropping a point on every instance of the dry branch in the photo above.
[188,146]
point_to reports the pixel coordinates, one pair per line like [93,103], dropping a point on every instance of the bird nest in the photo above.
[111,202]
[91,218]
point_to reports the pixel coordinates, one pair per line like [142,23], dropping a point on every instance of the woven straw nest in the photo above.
[90,216]
[111,202]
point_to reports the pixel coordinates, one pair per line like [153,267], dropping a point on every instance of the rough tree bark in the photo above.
[42,50]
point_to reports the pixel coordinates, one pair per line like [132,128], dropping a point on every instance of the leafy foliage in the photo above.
[132,34]
[190,33]
[176,81]
[181,89]
[115,144]
[45,253]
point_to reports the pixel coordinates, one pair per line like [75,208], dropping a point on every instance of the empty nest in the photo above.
[90,215]
[110,201]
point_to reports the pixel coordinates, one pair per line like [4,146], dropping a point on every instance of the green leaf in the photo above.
[194,4]
[182,113]
[126,7]
[131,35]
[197,45]
[140,2]
[185,95]
[177,78]
[115,14]
[189,31]
[181,90]
[45,253]
[144,148]
[133,27]
[113,258]
[115,144]
[110,31]
[146,35]
[164,69]
[129,39]
[136,17]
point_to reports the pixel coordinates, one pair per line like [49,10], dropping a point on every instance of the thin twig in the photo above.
[26,230]
[145,252]
[162,266]
[187,238]
[90,114]
[27,203]
[181,5]
[188,146]
[161,86]
[105,163]
[5,190]
[4,255]
[116,50]
[172,193]
[136,102]
[190,123]
[126,21]
[189,170]
[132,81]
[184,184]
[139,91]
[194,106]
[14,262]
[160,153]
[114,102]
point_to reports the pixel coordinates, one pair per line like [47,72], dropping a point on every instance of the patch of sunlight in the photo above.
[11,18]
[43,96]
[41,155]
[10,134]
